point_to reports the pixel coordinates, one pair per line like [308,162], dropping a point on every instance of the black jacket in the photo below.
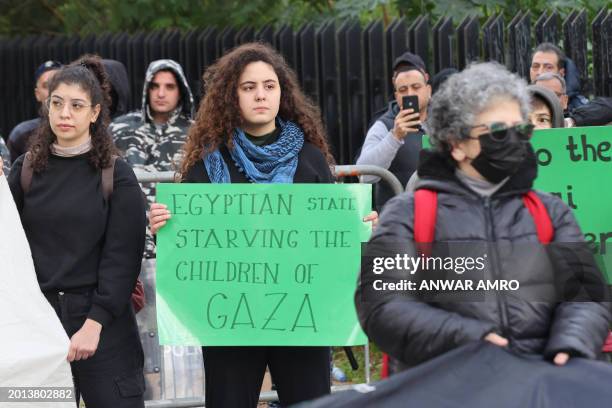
[414,331]
[598,112]
[19,138]
[80,241]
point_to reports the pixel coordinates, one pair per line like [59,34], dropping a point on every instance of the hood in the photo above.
[186,102]
[120,92]
[437,172]
[552,101]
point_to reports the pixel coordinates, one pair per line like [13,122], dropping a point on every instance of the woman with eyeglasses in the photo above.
[83,213]
[475,182]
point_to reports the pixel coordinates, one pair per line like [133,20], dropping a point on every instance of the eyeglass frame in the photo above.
[70,106]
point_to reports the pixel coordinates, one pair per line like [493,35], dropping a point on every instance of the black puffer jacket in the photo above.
[414,331]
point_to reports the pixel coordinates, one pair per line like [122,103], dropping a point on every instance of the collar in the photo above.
[61,151]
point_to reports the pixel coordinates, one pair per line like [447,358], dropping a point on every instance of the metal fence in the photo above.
[342,65]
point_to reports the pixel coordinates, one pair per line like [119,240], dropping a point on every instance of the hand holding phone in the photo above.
[407,122]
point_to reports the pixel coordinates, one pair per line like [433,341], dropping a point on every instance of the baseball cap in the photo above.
[407,62]
[46,66]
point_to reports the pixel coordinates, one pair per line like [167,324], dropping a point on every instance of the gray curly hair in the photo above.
[464,95]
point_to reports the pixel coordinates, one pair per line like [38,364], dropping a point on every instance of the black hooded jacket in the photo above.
[413,330]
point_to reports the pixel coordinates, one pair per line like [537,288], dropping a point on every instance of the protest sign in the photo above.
[260,264]
[575,164]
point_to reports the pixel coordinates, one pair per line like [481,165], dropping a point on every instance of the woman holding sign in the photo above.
[255,125]
[86,241]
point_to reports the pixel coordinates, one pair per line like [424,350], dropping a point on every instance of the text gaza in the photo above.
[223,312]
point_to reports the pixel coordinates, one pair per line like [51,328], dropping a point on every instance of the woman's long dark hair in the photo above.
[219,112]
[88,73]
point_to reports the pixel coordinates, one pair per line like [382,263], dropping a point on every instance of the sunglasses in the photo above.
[499,131]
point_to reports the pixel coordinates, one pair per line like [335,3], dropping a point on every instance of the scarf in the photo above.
[273,163]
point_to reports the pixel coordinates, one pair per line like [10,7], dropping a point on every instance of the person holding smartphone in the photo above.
[393,141]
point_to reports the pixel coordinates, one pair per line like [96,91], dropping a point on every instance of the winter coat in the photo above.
[414,331]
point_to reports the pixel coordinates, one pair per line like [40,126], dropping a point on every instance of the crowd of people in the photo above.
[71,173]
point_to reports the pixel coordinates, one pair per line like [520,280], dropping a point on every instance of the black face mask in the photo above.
[502,151]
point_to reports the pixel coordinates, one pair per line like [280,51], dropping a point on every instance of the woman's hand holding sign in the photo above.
[158,215]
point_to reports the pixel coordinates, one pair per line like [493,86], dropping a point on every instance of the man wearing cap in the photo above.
[19,137]
[395,139]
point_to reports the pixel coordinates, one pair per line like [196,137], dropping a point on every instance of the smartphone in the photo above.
[410,102]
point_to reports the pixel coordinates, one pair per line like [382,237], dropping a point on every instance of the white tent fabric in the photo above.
[33,344]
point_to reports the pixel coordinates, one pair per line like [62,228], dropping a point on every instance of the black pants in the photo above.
[233,375]
[113,376]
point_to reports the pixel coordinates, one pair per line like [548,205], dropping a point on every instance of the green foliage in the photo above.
[94,16]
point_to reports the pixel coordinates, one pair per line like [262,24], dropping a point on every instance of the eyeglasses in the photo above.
[56,104]
[499,130]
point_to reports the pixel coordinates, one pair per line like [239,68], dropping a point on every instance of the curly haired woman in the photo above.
[255,125]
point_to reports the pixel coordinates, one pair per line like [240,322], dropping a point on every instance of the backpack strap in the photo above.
[108,178]
[425,212]
[26,173]
[538,211]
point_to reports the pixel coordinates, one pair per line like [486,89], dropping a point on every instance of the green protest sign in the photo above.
[260,264]
[575,164]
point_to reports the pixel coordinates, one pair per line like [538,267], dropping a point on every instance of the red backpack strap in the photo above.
[425,211]
[538,211]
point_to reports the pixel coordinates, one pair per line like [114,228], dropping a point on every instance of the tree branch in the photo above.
[386,17]
[53,11]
